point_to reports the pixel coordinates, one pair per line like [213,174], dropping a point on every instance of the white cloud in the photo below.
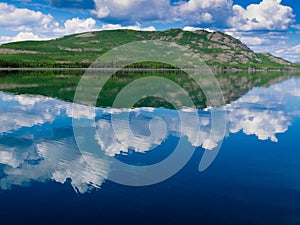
[267,15]
[22,36]
[190,28]
[27,24]
[252,40]
[195,12]
[22,19]
[249,38]
[277,43]
[296,49]
[34,25]
[193,5]
[76,25]
[291,53]
[296,26]
[132,11]
[120,27]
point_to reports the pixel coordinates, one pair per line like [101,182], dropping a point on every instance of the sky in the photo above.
[264,25]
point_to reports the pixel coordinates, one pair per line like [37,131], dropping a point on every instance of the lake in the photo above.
[59,161]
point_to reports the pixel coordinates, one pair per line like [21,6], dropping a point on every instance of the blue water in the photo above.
[45,178]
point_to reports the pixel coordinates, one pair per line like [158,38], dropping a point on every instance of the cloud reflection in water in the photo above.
[37,143]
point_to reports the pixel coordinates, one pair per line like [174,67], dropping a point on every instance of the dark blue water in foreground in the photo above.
[46,179]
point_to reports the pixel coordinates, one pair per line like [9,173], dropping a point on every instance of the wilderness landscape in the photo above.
[217,49]
[204,132]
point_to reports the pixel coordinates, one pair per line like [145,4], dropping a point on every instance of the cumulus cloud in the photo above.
[190,28]
[137,26]
[22,19]
[195,12]
[296,48]
[296,26]
[76,25]
[34,25]
[22,36]
[252,40]
[132,11]
[290,52]
[277,43]
[267,15]
[27,24]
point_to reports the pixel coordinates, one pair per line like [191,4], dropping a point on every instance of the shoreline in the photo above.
[144,69]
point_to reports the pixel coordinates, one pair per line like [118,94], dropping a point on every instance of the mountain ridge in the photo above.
[217,49]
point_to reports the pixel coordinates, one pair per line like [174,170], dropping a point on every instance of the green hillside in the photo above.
[217,49]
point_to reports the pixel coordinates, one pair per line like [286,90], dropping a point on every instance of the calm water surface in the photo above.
[46,179]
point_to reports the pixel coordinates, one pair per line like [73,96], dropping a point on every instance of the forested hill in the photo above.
[217,49]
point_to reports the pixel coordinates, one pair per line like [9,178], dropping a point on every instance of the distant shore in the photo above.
[250,70]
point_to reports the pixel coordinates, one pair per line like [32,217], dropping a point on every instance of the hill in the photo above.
[217,49]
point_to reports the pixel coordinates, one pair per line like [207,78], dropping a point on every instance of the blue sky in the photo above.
[264,25]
